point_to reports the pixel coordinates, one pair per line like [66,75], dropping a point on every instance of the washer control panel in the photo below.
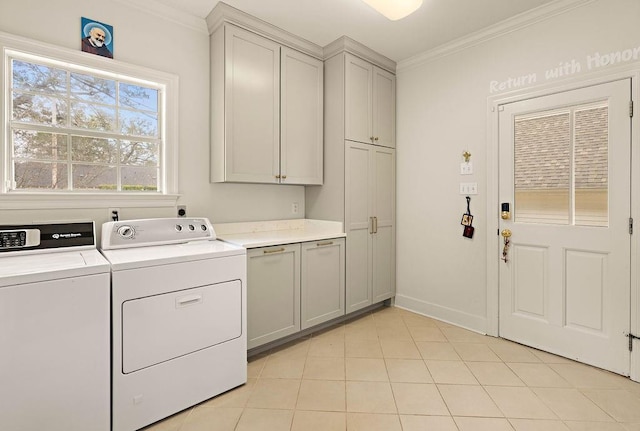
[146,232]
[44,236]
[22,238]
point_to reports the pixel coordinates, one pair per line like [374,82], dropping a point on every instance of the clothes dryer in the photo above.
[178,317]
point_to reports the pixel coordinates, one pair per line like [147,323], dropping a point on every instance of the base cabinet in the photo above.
[273,293]
[293,287]
[323,281]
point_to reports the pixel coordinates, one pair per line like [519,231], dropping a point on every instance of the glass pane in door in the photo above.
[542,167]
[591,166]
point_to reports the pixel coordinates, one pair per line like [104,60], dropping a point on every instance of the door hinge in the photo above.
[631,108]
[630,225]
[631,338]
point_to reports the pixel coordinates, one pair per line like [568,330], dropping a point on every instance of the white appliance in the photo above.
[178,299]
[54,329]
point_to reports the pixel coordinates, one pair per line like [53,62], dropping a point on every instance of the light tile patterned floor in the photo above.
[392,370]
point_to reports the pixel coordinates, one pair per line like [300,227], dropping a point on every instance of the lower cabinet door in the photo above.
[273,293]
[323,281]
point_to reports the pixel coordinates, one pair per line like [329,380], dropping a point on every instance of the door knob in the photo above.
[506,233]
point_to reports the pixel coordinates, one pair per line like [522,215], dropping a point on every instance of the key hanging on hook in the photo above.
[467,221]
[506,234]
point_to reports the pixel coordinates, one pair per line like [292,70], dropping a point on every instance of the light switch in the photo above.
[466,168]
[468,188]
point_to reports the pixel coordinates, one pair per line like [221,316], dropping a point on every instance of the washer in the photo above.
[178,301]
[54,329]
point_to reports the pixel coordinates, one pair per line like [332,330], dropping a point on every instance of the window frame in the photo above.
[12,46]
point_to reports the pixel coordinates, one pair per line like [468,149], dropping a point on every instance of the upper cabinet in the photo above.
[246,137]
[370,94]
[301,121]
[266,103]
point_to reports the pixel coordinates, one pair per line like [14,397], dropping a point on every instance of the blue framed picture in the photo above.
[97,37]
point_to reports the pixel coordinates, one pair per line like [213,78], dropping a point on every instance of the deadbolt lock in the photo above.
[505,211]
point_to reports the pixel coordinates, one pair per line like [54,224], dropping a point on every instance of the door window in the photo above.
[561,166]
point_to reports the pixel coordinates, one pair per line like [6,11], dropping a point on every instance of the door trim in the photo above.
[631,71]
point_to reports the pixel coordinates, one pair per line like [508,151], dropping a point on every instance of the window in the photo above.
[561,166]
[78,125]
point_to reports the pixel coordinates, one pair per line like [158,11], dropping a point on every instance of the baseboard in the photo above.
[449,315]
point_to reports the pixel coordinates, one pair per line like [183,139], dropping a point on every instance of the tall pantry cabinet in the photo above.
[359,181]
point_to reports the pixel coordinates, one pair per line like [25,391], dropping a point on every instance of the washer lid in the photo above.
[129,258]
[32,268]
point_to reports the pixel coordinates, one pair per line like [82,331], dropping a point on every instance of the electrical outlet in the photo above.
[182,210]
[114,214]
[294,207]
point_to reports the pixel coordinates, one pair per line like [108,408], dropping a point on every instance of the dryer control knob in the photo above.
[126,231]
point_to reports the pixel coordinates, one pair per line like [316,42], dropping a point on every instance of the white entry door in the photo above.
[565,173]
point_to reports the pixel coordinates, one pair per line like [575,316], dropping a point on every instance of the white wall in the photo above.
[146,40]
[442,111]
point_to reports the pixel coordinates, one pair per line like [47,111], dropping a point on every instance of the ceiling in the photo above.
[322,21]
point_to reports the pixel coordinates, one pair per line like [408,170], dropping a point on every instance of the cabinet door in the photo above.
[383,239]
[358,224]
[322,281]
[358,99]
[252,107]
[273,293]
[301,114]
[384,108]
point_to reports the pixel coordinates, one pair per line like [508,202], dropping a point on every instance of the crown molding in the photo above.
[168,13]
[223,13]
[502,28]
[346,44]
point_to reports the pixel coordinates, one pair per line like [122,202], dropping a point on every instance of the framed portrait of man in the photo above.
[97,37]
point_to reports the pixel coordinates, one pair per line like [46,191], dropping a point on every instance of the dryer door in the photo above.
[159,328]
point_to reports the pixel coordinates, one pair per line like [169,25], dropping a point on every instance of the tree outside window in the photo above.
[78,130]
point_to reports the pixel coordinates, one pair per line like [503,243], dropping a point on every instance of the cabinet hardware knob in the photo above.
[371,138]
[321,244]
[277,176]
[284,177]
[376,139]
[277,250]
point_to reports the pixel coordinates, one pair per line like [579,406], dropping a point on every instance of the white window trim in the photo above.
[55,199]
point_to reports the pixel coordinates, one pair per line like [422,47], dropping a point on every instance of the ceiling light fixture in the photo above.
[395,9]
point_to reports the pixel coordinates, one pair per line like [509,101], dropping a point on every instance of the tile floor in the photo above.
[393,370]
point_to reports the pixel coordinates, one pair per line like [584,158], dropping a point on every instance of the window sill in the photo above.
[33,201]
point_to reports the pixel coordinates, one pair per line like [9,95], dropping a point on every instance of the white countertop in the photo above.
[277,232]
